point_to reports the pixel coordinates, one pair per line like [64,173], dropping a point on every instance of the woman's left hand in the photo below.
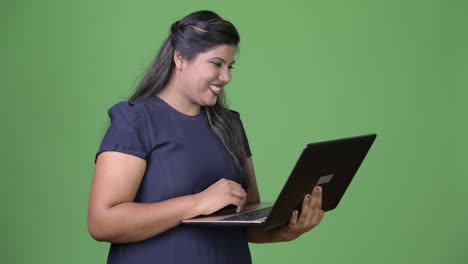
[310,217]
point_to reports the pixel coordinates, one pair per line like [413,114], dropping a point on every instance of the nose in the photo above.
[225,75]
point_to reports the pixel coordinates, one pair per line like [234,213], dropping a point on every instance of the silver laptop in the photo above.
[329,164]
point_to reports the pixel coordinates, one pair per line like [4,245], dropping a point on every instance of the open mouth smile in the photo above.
[215,89]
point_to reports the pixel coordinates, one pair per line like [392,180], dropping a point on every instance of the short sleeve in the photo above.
[244,135]
[127,131]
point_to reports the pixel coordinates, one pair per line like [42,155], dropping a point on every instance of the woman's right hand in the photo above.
[220,194]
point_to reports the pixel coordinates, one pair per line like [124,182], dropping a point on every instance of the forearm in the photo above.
[131,222]
[258,235]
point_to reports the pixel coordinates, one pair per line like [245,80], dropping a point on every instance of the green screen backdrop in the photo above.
[306,71]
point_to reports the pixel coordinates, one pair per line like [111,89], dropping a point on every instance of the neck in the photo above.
[173,96]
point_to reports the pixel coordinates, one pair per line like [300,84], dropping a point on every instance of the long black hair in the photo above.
[196,33]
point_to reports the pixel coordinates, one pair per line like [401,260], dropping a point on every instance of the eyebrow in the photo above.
[223,60]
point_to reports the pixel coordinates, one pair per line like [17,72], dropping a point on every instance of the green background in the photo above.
[306,71]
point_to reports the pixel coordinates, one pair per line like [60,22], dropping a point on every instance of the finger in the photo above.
[293,219]
[317,218]
[315,208]
[316,198]
[239,193]
[305,208]
[231,185]
[317,202]
[235,201]
[241,207]
[234,184]
[228,184]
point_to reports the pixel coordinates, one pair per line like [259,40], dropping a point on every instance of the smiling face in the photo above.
[203,78]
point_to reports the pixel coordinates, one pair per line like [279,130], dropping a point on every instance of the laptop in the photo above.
[329,164]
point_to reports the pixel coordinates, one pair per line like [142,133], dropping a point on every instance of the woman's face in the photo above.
[206,74]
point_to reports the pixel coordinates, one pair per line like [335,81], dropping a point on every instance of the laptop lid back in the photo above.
[329,164]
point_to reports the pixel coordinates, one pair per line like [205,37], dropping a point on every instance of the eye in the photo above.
[219,65]
[216,64]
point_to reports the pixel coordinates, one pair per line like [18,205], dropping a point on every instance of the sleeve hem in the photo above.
[123,150]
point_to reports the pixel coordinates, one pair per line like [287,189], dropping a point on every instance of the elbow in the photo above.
[103,227]
[99,230]
[96,232]
[96,235]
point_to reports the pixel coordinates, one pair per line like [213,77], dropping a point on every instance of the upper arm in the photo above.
[120,162]
[253,196]
[117,178]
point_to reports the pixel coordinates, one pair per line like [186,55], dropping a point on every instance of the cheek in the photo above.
[209,74]
[201,77]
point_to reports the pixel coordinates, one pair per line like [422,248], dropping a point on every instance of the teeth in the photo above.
[215,88]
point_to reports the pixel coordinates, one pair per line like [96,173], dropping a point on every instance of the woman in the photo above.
[174,151]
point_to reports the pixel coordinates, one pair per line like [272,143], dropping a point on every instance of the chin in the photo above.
[210,102]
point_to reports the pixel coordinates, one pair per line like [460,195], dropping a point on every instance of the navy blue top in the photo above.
[183,157]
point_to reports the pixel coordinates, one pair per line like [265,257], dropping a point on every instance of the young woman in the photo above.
[174,151]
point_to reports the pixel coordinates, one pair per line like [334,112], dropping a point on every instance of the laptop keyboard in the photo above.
[249,216]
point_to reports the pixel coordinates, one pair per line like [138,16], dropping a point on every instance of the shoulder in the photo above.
[128,113]
[130,109]
[124,109]
[234,113]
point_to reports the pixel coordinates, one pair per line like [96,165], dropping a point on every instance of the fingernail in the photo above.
[318,189]
[295,212]
[308,197]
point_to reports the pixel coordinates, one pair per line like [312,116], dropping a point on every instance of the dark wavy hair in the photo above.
[197,33]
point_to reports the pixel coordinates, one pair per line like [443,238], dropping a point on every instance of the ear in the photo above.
[179,60]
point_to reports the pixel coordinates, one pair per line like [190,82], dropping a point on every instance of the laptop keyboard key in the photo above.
[250,216]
